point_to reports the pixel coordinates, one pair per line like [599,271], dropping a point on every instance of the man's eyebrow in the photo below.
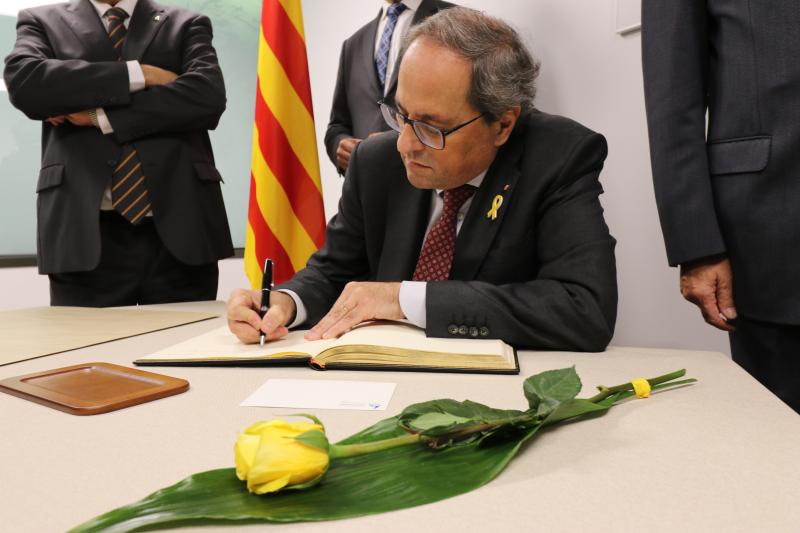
[422,118]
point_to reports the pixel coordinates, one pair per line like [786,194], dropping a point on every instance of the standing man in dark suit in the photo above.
[481,219]
[367,74]
[129,203]
[729,194]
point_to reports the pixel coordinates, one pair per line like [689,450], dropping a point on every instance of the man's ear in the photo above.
[505,124]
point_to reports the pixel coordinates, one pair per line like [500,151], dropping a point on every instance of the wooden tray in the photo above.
[93,388]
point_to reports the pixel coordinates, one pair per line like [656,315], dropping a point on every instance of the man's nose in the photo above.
[407,142]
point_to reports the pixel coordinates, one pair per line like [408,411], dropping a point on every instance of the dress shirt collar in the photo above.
[127,5]
[411,6]
[475,182]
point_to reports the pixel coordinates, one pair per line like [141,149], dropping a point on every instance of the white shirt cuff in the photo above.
[301,314]
[412,302]
[102,121]
[135,76]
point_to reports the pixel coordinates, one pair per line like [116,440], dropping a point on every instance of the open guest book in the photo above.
[378,345]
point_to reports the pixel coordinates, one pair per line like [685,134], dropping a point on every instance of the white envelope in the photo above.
[322,394]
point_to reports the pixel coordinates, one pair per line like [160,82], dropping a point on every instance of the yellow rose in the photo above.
[275,454]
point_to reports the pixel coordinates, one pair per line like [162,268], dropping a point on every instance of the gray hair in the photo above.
[503,70]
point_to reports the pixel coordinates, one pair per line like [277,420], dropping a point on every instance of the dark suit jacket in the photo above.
[542,275]
[738,191]
[355,112]
[62,63]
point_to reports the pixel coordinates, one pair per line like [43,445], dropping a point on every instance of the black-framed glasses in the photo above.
[430,136]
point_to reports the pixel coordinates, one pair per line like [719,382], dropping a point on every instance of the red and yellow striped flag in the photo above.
[286,218]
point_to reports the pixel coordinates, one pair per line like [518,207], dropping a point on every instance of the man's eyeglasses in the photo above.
[430,136]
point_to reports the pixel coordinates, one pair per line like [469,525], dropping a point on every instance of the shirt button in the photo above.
[463,330]
[484,331]
[473,331]
[452,329]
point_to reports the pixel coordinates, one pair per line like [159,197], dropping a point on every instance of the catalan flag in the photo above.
[285,219]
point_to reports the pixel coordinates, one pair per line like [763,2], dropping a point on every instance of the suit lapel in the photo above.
[408,209]
[82,19]
[479,229]
[370,75]
[425,10]
[146,20]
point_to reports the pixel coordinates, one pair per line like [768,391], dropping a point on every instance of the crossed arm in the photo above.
[58,90]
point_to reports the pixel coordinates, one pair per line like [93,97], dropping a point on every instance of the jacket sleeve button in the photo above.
[473,331]
[452,329]
[484,331]
[463,330]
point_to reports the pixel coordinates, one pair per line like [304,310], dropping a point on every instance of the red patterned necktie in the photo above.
[128,188]
[436,256]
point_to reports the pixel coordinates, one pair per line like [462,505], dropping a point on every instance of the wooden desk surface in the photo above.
[721,455]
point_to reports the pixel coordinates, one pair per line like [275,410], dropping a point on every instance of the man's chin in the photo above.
[420,176]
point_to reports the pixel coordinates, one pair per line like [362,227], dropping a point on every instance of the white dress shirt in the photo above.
[135,74]
[412,293]
[400,30]
[135,80]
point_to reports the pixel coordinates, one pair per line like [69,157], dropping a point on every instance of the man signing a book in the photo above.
[477,217]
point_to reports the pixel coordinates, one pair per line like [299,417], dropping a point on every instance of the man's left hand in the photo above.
[360,301]
[80,119]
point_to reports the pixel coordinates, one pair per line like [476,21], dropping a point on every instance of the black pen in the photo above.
[266,286]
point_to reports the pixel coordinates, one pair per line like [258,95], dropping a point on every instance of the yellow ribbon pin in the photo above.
[496,203]
[641,387]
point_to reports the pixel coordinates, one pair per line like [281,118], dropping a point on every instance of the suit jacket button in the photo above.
[452,329]
[463,330]
[484,331]
[473,331]
[112,162]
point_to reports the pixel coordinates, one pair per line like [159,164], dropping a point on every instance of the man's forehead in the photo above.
[429,88]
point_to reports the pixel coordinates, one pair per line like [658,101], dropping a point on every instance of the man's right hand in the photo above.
[708,283]
[243,319]
[157,76]
[345,150]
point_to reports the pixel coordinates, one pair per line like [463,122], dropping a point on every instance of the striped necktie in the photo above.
[382,57]
[128,184]
[436,257]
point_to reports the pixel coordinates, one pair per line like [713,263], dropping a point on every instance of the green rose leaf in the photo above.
[551,388]
[576,407]
[466,409]
[313,438]
[448,413]
[458,422]
[486,413]
[437,420]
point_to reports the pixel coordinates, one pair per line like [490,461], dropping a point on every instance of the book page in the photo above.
[397,345]
[409,337]
[221,344]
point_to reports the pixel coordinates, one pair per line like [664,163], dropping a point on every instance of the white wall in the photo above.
[589,73]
